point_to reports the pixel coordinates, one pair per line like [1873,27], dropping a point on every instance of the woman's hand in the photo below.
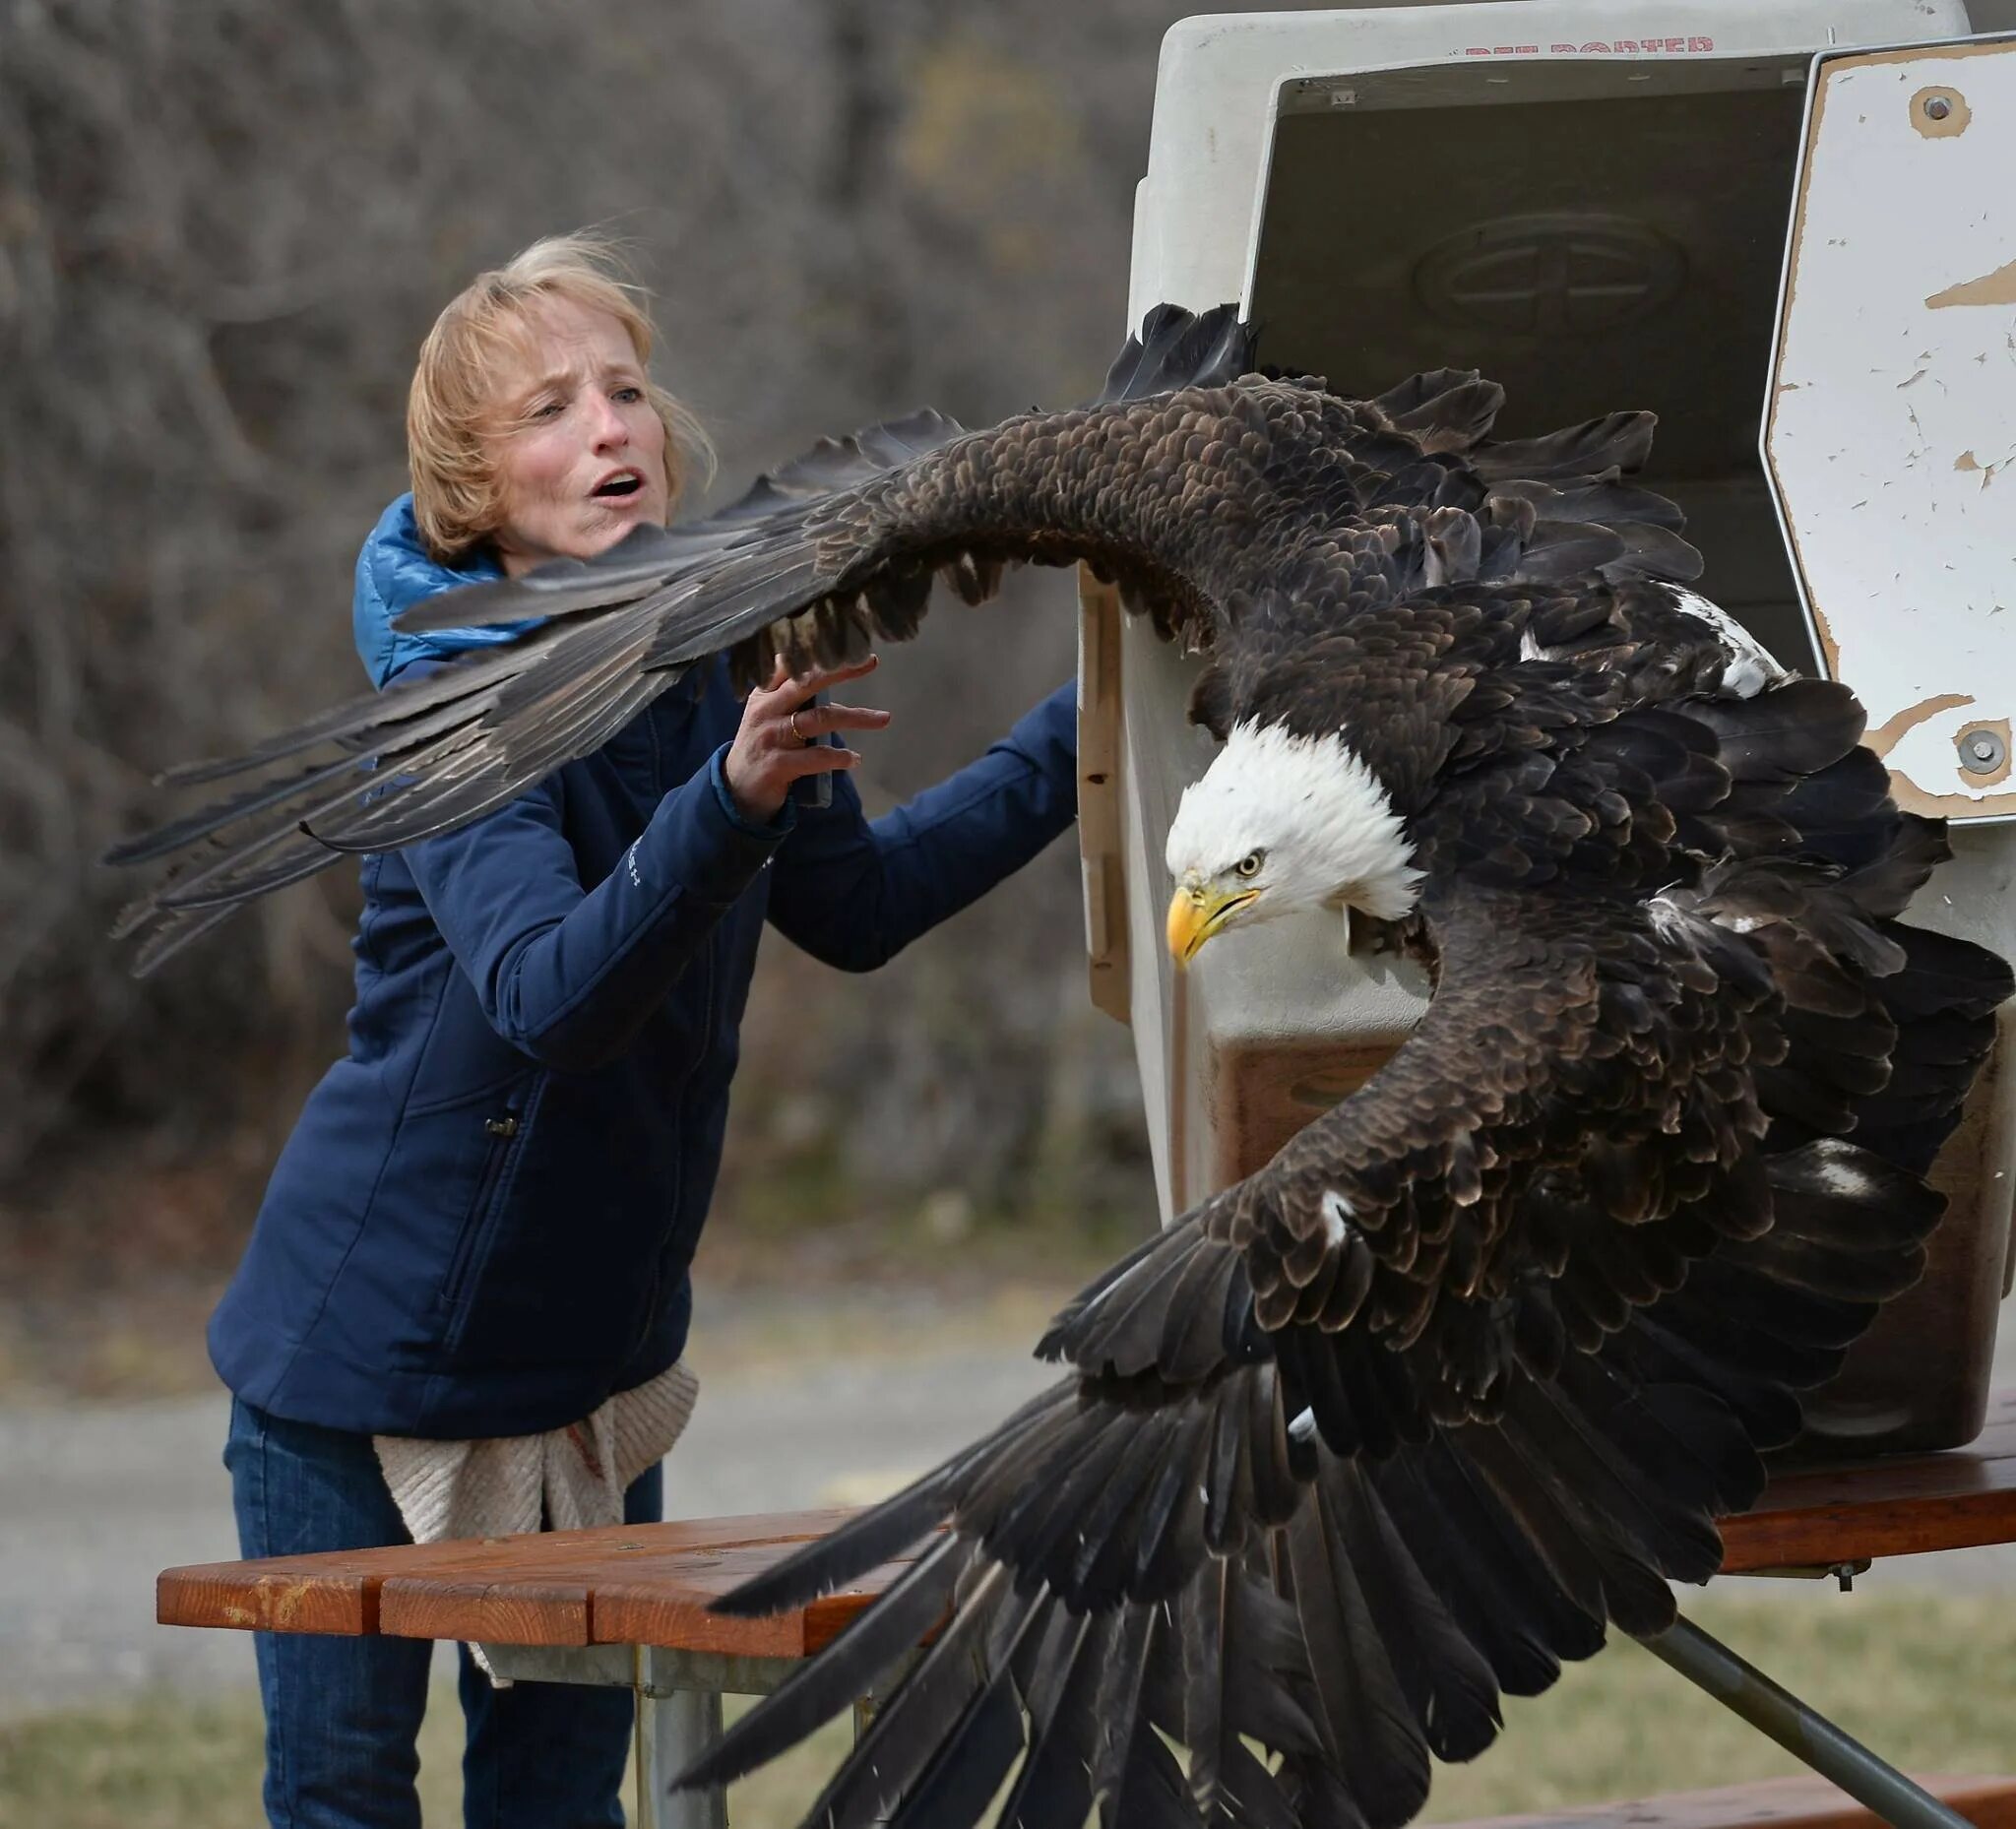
[778,742]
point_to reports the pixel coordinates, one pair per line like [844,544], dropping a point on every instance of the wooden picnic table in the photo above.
[629,1602]
[651,1584]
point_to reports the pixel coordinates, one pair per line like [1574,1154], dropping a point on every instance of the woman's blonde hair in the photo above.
[451,413]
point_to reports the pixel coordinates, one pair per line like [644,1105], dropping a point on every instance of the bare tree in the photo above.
[224,228]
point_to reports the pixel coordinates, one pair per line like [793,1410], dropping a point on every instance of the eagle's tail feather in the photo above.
[1789,732]
[1618,441]
[1943,1004]
[1445,408]
[1886,1024]
[1765,1318]
[1180,348]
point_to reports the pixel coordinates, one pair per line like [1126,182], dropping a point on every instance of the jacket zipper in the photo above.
[501,1130]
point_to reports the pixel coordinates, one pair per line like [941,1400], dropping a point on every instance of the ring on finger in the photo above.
[807,741]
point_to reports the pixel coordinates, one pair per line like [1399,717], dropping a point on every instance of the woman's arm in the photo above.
[569,974]
[855,892]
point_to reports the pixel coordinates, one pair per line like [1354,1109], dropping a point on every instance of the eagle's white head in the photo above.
[1279,823]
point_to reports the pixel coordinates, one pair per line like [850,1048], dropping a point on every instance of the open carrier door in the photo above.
[1590,202]
[1891,415]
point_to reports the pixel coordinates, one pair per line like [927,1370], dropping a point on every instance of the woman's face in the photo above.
[581,455]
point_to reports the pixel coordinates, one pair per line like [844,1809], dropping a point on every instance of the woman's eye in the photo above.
[1249,864]
[545,410]
[626,394]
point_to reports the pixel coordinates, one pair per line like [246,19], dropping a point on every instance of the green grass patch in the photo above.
[1922,1679]
[167,1761]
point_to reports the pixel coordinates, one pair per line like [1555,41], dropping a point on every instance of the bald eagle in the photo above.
[1468,1371]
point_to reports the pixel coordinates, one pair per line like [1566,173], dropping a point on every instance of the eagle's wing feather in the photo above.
[411,762]
[649,557]
[1175,349]
[596,688]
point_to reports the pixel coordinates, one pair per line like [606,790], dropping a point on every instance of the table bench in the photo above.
[628,1605]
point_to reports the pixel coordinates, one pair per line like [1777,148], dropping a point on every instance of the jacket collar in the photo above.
[394,573]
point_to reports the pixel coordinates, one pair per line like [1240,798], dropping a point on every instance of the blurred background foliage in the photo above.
[224,228]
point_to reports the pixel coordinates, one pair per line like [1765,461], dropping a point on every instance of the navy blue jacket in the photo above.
[484,1220]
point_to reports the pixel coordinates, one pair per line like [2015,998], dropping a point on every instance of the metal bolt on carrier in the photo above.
[1982,751]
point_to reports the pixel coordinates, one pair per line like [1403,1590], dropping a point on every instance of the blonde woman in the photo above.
[465,1301]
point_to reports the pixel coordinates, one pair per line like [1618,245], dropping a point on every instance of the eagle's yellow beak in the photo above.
[1196,912]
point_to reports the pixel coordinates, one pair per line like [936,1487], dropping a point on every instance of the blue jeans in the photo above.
[343,1714]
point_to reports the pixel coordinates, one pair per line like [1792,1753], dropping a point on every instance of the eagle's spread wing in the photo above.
[1203,488]
[1471,1368]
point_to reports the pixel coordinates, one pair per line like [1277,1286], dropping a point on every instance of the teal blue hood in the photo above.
[394,572]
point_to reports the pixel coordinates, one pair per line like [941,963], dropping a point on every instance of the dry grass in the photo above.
[1921,1677]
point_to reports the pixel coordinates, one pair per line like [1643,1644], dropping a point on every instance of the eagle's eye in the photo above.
[1249,864]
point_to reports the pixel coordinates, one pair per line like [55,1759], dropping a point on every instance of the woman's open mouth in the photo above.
[623,484]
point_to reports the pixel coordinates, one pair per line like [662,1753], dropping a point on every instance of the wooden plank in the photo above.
[650,1610]
[233,1595]
[1891,1506]
[553,1589]
[341,1591]
[334,1592]
[1781,1803]
[1823,1535]
[511,1609]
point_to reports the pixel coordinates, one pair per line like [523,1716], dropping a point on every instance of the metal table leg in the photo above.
[678,1710]
[679,1716]
[672,1731]
[1804,1732]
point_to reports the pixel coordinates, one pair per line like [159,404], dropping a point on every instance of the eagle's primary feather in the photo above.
[1469,1370]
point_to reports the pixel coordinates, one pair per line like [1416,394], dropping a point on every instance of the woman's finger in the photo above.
[813,759]
[824,678]
[809,723]
[759,696]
